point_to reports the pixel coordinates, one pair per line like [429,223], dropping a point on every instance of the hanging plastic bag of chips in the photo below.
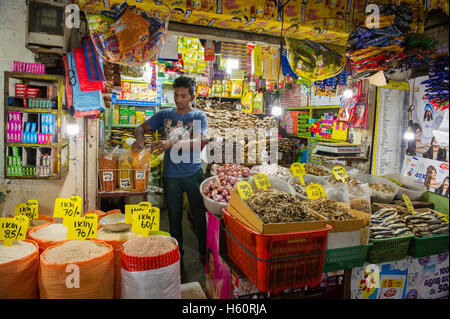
[124,34]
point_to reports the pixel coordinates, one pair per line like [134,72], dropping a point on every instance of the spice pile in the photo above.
[279,207]
[425,224]
[149,246]
[74,250]
[329,208]
[17,250]
[316,170]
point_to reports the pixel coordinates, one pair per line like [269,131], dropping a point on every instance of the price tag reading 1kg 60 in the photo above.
[261,181]
[146,221]
[315,191]
[244,189]
[29,209]
[81,228]
[13,229]
[340,173]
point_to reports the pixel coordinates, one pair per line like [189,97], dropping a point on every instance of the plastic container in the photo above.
[211,205]
[428,246]
[274,262]
[345,258]
[378,197]
[256,170]
[389,249]
[413,188]
[275,183]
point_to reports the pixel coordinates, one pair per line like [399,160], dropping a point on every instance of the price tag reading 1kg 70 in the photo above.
[244,189]
[340,173]
[29,209]
[67,207]
[298,170]
[315,191]
[146,221]
[13,229]
[81,228]
[261,181]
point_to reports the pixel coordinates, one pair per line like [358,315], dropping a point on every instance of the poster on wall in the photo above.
[409,278]
[433,174]
[425,119]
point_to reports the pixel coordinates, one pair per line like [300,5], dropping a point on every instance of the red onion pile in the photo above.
[220,188]
[235,170]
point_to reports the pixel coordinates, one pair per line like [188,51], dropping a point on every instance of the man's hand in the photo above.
[161,146]
[138,146]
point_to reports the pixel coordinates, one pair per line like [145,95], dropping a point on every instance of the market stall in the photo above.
[324,164]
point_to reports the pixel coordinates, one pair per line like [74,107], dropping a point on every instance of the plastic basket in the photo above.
[389,249]
[428,246]
[274,262]
[345,258]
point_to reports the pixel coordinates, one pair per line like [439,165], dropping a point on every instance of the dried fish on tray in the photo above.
[388,222]
[426,224]
[279,207]
[329,208]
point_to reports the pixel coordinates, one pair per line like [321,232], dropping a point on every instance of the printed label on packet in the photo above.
[315,191]
[130,210]
[261,181]
[244,189]
[29,209]
[13,229]
[108,176]
[146,221]
[140,174]
[81,228]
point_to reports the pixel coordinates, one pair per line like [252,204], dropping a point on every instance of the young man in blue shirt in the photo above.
[184,129]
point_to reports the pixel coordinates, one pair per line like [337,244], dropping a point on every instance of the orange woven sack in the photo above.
[96,277]
[18,278]
[49,219]
[42,243]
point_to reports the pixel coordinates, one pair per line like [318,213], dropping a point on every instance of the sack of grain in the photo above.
[151,268]
[19,266]
[116,240]
[41,220]
[77,269]
[48,235]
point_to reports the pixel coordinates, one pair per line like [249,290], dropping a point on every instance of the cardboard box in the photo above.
[240,210]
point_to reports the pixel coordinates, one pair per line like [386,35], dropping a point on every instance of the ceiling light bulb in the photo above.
[72,127]
[348,93]
[276,111]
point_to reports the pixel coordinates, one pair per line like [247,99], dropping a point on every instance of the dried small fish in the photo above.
[398,225]
[424,229]
[381,236]
[329,208]
[379,228]
[316,170]
[390,218]
[395,221]
[433,227]
[383,188]
[401,231]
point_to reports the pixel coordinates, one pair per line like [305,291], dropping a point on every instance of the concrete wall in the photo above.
[12,39]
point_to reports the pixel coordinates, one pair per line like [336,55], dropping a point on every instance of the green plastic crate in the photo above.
[428,246]
[345,258]
[389,249]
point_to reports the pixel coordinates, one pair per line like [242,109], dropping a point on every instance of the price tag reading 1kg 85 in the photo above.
[81,228]
[13,229]
[146,221]
[261,181]
[408,204]
[244,189]
[298,170]
[315,191]
[29,209]
[340,173]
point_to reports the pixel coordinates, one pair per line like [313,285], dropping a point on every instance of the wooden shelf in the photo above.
[36,76]
[319,138]
[32,110]
[124,125]
[313,107]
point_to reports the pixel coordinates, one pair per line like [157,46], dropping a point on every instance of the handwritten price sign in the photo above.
[408,204]
[146,221]
[130,210]
[68,207]
[340,173]
[261,181]
[315,191]
[244,189]
[13,229]
[298,170]
[29,209]
[81,228]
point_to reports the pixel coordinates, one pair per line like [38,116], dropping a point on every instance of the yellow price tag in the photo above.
[81,228]
[298,170]
[395,181]
[445,217]
[315,191]
[68,207]
[408,203]
[392,283]
[244,189]
[261,181]
[29,209]
[340,173]
[13,229]
[131,209]
[146,221]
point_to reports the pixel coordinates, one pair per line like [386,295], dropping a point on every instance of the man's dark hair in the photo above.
[185,82]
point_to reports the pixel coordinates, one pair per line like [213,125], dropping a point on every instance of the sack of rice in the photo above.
[87,265]
[41,220]
[19,266]
[151,268]
[48,235]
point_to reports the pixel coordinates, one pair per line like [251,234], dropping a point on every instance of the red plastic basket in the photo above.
[276,261]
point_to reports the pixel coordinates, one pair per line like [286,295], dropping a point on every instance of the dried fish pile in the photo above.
[383,188]
[351,182]
[316,170]
[286,147]
[329,208]
[387,223]
[425,224]
[203,103]
[279,207]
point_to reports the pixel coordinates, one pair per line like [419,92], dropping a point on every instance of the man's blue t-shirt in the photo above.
[179,126]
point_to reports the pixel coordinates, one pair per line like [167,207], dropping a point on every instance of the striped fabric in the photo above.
[93,65]
[134,263]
